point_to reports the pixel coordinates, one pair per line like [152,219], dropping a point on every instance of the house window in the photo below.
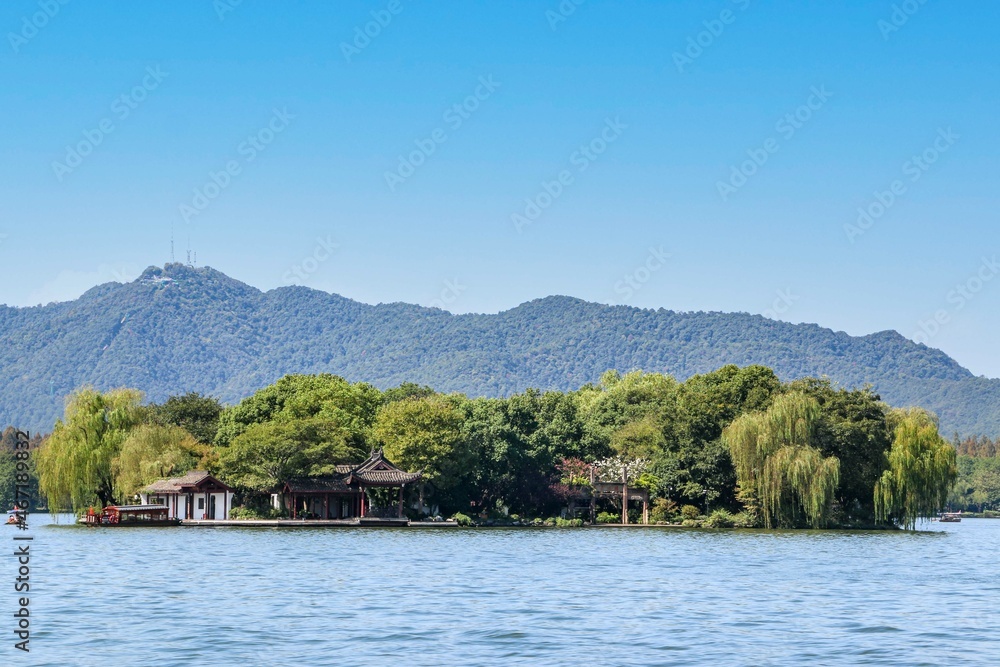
[201,503]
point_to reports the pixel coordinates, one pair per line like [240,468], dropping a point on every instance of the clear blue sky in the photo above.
[200,79]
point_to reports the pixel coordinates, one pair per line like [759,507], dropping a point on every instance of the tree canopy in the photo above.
[778,467]
[75,463]
[266,455]
[804,453]
[152,452]
[921,470]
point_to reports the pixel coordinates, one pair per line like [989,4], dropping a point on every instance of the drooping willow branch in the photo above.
[921,470]
[777,465]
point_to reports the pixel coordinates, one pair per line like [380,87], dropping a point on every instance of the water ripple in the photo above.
[250,597]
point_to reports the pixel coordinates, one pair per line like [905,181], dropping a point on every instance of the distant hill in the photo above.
[180,329]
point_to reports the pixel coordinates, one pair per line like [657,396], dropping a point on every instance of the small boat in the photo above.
[129,515]
[950,517]
[15,516]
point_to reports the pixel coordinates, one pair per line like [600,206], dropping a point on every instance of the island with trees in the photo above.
[736,447]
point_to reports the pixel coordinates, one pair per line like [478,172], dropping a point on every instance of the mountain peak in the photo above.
[180,328]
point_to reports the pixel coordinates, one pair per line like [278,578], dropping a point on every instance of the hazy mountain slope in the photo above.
[203,331]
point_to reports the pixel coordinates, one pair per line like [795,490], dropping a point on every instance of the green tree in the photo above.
[266,455]
[778,469]
[295,397]
[624,399]
[75,462]
[407,390]
[153,452]
[425,434]
[853,427]
[694,466]
[978,485]
[8,471]
[921,470]
[197,414]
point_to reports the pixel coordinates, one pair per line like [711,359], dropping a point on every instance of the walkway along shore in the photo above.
[318,523]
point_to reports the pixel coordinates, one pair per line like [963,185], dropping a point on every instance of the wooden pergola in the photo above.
[618,491]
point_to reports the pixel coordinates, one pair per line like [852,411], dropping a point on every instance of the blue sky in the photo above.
[685,155]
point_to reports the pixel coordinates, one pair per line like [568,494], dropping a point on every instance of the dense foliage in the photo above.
[735,444]
[778,467]
[978,486]
[921,470]
[8,472]
[75,465]
[202,331]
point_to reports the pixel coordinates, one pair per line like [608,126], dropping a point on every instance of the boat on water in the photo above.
[950,517]
[129,515]
[15,516]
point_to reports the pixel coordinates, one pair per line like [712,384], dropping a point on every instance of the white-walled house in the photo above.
[195,496]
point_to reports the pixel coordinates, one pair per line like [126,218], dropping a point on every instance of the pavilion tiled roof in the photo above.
[381,471]
[386,477]
[178,484]
[375,471]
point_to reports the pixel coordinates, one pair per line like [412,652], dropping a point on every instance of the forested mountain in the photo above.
[178,329]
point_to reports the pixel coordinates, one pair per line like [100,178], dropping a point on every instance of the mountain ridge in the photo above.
[177,328]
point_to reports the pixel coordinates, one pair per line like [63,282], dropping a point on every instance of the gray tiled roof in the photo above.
[176,484]
[375,471]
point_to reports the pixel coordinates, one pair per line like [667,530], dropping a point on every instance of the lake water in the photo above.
[241,596]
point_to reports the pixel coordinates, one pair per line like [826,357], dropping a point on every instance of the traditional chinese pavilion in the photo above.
[344,495]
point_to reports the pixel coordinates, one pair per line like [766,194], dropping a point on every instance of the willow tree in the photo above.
[152,452]
[921,471]
[75,463]
[778,469]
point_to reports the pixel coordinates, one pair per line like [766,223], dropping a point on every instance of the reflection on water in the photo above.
[240,596]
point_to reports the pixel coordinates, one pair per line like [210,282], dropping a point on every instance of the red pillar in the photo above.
[362,514]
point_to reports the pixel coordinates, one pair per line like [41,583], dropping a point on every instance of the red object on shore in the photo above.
[129,515]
